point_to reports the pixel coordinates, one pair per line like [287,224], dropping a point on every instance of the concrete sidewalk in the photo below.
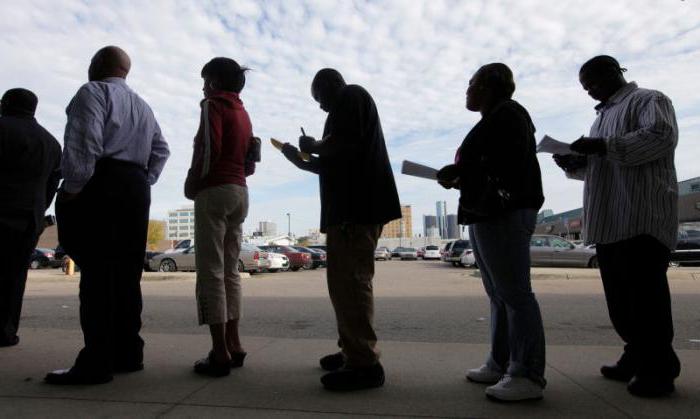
[281,379]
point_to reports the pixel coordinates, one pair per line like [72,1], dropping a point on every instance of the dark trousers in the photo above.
[104,230]
[639,304]
[350,272]
[15,251]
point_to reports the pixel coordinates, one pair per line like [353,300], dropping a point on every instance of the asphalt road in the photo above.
[417,301]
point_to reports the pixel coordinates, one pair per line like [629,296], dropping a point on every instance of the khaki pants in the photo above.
[350,272]
[219,213]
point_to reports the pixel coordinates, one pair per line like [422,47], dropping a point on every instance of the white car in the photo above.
[278,262]
[467,258]
[431,252]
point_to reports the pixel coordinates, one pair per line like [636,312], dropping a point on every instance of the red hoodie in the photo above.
[221,145]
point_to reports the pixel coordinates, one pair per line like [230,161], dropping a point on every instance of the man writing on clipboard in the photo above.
[358,196]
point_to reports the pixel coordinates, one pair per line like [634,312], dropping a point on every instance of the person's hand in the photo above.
[290,152]
[588,145]
[306,144]
[570,162]
[448,176]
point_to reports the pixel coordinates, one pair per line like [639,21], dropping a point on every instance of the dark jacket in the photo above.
[498,169]
[356,181]
[30,159]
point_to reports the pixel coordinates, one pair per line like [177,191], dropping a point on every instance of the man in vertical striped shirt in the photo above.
[630,213]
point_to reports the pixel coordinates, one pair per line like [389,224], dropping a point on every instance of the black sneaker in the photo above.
[617,372]
[332,362]
[350,379]
[650,387]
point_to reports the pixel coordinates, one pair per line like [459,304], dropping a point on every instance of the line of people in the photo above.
[114,152]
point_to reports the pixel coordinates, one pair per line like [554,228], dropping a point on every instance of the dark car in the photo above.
[318,256]
[147,260]
[688,248]
[297,260]
[44,258]
[319,246]
[454,250]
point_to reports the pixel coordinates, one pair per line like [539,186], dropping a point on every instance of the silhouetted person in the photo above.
[500,193]
[630,213]
[358,196]
[217,183]
[30,159]
[113,153]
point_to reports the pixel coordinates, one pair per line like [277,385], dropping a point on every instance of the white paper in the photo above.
[552,146]
[416,169]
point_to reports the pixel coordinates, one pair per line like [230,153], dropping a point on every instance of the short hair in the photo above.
[499,78]
[19,100]
[602,64]
[328,75]
[227,73]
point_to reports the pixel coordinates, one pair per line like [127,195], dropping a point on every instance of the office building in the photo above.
[441,207]
[180,224]
[267,228]
[403,227]
[430,226]
[453,231]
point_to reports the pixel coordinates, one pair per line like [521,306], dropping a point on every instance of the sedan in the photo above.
[382,253]
[687,250]
[408,253]
[44,258]
[548,250]
[297,260]
[278,262]
[431,252]
[251,259]
[318,257]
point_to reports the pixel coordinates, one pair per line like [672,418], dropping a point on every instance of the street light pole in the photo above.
[289,225]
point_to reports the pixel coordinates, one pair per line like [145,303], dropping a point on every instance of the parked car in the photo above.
[548,250]
[407,253]
[297,260]
[467,258]
[278,262]
[318,256]
[382,253]
[688,248]
[453,251]
[395,252]
[147,260]
[44,258]
[319,246]
[181,246]
[251,259]
[431,252]
[420,252]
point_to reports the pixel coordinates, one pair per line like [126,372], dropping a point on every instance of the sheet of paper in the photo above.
[416,169]
[552,146]
[279,144]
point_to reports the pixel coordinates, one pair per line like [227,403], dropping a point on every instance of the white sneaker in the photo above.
[513,389]
[484,375]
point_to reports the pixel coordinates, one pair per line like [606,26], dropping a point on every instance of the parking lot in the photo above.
[422,301]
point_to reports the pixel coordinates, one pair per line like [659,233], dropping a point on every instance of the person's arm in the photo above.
[574,166]
[159,155]
[292,154]
[83,139]
[207,144]
[54,178]
[656,136]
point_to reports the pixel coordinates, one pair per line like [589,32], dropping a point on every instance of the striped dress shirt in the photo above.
[632,190]
[106,119]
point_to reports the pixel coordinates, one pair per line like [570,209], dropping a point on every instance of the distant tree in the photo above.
[303,241]
[156,233]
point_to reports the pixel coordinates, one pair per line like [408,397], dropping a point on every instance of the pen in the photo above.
[302,131]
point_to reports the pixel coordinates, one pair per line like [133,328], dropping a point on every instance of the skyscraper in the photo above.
[430,226]
[403,227]
[452,227]
[267,228]
[441,207]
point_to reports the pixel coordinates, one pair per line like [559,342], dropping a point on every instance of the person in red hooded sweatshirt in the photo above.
[224,154]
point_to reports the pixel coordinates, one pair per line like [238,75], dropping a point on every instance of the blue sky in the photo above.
[414,57]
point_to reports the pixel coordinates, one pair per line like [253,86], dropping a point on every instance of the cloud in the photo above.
[414,57]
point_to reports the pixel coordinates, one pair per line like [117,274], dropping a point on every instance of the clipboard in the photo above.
[279,144]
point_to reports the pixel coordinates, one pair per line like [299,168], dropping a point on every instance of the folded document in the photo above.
[415,169]
[550,145]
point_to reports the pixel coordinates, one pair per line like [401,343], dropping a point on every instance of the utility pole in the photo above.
[289,225]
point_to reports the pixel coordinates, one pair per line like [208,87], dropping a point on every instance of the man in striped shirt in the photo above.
[630,213]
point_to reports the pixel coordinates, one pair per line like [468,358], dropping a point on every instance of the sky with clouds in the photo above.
[415,58]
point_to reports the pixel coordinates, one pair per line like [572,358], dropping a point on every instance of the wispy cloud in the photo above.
[414,57]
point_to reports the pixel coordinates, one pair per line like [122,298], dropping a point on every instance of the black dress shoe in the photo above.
[237,359]
[210,367]
[617,372]
[650,387]
[73,377]
[350,379]
[332,362]
[12,341]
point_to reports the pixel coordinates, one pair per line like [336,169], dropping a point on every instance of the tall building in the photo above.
[180,224]
[430,226]
[452,227]
[403,227]
[267,228]
[441,207]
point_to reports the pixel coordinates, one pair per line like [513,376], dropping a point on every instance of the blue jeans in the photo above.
[502,252]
